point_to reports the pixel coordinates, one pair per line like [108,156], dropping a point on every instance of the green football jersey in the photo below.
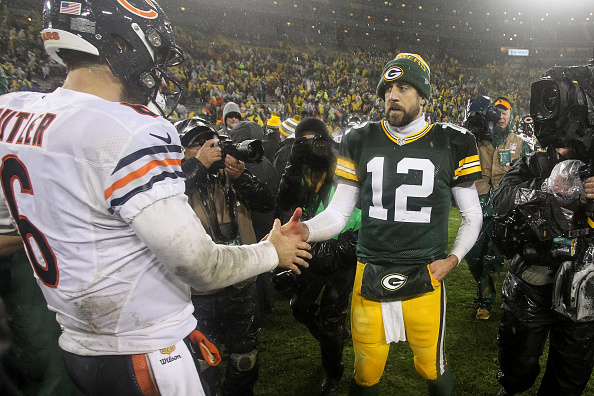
[405,186]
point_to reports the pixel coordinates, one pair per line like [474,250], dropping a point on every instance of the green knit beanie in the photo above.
[409,68]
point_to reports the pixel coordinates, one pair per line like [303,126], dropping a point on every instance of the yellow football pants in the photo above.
[424,322]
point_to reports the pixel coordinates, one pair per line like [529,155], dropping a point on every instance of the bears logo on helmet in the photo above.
[133,38]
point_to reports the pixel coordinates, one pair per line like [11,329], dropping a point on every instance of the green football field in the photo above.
[290,357]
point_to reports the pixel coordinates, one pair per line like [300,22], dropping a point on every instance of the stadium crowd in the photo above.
[330,83]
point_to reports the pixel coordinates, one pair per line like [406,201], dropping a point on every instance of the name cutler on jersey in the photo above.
[394,281]
[26,128]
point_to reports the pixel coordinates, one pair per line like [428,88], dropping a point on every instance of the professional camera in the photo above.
[246,151]
[562,107]
[534,229]
[480,117]
[316,152]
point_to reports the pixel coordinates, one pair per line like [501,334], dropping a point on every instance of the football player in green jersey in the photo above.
[405,171]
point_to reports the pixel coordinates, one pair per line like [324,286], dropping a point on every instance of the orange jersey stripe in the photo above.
[138,174]
[143,376]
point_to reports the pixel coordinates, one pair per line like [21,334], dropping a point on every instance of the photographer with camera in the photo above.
[498,147]
[308,182]
[222,193]
[262,220]
[543,225]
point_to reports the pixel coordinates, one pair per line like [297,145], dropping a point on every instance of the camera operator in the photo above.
[547,240]
[308,183]
[262,221]
[222,192]
[498,147]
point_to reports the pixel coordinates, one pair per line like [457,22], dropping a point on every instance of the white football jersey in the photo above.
[75,171]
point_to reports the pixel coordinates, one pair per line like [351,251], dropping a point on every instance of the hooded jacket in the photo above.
[230,107]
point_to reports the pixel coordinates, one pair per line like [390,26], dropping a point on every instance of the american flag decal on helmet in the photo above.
[68,7]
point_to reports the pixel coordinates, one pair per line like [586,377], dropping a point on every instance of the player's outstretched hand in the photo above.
[290,251]
[294,228]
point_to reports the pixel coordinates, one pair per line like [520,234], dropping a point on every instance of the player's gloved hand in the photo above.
[565,183]
[206,346]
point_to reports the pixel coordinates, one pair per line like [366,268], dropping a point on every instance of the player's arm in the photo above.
[469,205]
[170,228]
[331,221]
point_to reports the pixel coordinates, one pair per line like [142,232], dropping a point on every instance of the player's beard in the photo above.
[406,116]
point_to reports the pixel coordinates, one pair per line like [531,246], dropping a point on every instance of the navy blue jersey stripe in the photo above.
[145,187]
[135,156]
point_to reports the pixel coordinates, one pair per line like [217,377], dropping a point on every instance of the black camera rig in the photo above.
[480,117]
[246,151]
[562,107]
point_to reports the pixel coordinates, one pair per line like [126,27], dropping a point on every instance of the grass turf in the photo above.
[291,363]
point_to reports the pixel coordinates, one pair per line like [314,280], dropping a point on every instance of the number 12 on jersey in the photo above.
[403,192]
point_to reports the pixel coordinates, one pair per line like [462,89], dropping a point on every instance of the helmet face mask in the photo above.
[133,38]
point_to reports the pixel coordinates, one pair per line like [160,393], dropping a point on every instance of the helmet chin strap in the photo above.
[157,104]
[158,101]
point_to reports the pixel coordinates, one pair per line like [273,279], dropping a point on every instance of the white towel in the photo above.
[174,371]
[393,321]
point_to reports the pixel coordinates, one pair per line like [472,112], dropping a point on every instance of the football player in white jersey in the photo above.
[91,180]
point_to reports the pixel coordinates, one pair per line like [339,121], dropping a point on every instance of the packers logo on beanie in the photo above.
[409,68]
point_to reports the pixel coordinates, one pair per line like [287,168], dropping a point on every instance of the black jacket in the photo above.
[522,186]
[256,194]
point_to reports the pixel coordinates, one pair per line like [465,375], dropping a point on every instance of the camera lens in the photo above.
[550,100]
[320,148]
